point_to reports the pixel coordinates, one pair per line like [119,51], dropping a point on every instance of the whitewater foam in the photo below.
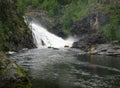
[44,39]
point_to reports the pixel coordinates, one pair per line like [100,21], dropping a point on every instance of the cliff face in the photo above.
[14,33]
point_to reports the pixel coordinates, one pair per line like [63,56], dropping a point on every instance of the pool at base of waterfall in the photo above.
[65,68]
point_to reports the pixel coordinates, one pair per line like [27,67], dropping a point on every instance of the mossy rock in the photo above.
[12,75]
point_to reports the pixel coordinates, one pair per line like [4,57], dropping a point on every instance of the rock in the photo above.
[55,48]
[115,42]
[79,45]
[108,49]
[66,46]
[87,39]
[49,47]
[86,24]
[101,49]
[11,75]
[116,47]
[85,30]
[97,39]
[62,34]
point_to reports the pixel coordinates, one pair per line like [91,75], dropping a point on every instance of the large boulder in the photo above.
[87,39]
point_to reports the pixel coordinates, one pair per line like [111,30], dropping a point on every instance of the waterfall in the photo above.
[45,39]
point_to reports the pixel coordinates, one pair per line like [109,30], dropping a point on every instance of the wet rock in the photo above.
[55,48]
[49,47]
[80,45]
[62,34]
[66,46]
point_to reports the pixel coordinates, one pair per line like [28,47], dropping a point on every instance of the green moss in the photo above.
[20,70]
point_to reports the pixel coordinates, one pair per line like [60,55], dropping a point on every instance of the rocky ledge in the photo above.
[107,49]
[103,49]
[11,75]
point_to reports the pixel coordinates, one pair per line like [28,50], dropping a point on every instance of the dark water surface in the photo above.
[64,68]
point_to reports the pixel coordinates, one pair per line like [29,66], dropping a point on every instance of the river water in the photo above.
[65,68]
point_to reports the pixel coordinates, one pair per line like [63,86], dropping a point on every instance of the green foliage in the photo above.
[51,6]
[114,12]
[20,7]
[27,2]
[64,2]
[112,29]
[35,3]
[74,12]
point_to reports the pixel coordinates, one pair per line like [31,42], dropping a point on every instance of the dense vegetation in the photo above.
[13,28]
[70,11]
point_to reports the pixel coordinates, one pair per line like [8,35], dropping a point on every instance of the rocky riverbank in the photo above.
[11,75]
[102,49]
[107,49]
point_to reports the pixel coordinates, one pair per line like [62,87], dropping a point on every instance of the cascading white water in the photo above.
[43,38]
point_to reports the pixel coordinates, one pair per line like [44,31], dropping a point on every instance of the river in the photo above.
[65,68]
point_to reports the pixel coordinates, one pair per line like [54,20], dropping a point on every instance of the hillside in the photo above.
[77,17]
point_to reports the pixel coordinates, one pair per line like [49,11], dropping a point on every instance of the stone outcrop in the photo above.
[89,24]
[89,39]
